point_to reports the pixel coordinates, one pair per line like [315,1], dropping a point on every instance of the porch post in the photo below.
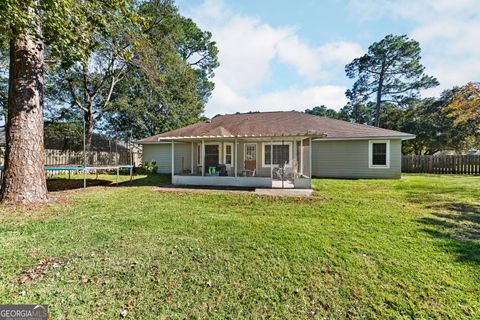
[173,159]
[191,159]
[235,156]
[301,156]
[203,158]
[294,157]
[271,159]
[310,157]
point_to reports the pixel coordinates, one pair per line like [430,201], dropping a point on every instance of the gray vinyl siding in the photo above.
[334,159]
[162,154]
[349,159]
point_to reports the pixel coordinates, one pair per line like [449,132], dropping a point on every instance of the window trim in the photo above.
[219,149]
[245,150]
[370,154]
[290,150]
[225,144]
[199,157]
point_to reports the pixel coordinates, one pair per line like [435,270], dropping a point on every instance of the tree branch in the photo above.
[196,63]
[74,96]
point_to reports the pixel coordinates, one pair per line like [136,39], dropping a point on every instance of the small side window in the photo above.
[379,154]
[228,151]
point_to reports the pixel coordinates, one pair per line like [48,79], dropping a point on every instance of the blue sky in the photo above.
[284,55]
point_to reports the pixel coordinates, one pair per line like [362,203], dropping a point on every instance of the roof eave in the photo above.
[166,139]
[406,137]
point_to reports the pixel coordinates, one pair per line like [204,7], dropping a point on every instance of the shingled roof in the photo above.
[276,124]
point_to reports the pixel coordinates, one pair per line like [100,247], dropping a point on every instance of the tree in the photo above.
[186,59]
[197,48]
[358,113]
[391,71]
[434,129]
[88,84]
[142,110]
[465,105]
[30,27]
[323,111]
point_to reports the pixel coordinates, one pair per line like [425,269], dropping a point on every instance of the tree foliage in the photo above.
[68,27]
[391,71]
[324,111]
[427,118]
[465,105]
[145,83]
[187,57]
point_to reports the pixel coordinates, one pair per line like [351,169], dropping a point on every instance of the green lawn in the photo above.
[360,248]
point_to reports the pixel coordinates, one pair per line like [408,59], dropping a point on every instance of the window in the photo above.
[228,151]
[250,151]
[281,154]
[379,154]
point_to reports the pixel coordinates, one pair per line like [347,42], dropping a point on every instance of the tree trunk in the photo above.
[24,178]
[89,124]
[379,95]
[377,107]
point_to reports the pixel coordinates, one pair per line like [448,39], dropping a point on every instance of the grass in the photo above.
[406,248]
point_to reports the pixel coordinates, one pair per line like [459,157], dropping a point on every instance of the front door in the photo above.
[212,154]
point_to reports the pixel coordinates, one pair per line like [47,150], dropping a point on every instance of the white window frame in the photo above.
[290,150]
[370,154]
[219,149]
[245,150]
[225,144]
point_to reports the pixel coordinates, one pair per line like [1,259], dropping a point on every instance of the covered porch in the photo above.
[252,162]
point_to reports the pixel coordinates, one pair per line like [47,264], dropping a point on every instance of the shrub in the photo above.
[147,167]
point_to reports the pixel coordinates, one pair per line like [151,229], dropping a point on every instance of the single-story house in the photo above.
[274,149]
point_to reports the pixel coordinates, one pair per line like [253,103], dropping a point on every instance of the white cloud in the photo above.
[448,32]
[247,49]
[299,98]
[310,62]
[227,100]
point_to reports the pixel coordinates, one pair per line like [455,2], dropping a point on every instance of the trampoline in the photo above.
[69,154]
[87,169]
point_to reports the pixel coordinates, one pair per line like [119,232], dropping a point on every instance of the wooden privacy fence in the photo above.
[66,157]
[458,164]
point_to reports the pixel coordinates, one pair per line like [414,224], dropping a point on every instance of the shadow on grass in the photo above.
[152,180]
[455,213]
[458,226]
[64,183]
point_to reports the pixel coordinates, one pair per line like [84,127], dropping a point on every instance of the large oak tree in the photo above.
[62,28]
[390,71]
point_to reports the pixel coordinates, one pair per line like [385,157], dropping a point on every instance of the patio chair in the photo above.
[222,170]
[250,168]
